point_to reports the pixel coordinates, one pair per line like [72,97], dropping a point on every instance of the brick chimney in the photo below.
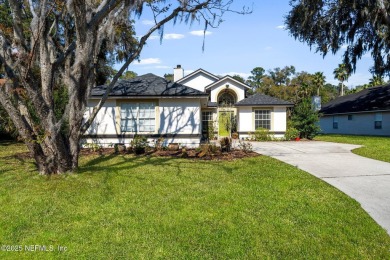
[178,73]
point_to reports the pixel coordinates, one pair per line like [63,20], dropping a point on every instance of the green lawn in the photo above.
[126,207]
[377,148]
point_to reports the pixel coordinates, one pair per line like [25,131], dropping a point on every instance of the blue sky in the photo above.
[241,43]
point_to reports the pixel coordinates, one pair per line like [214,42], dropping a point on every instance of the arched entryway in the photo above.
[226,113]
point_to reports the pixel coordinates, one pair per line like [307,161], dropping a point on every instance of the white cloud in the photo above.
[242,74]
[148,22]
[173,36]
[168,36]
[148,61]
[281,27]
[344,46]
[200,33]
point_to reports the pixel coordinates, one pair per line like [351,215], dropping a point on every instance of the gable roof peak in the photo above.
[198,71]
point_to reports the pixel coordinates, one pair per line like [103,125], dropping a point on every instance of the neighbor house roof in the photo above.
[148,85]
[262,100]
[370,99]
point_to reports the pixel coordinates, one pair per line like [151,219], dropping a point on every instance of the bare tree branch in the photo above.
[142,42]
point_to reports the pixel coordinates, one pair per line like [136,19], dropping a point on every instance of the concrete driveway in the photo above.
[365,180]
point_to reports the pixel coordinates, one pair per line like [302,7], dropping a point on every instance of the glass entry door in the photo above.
[225,123]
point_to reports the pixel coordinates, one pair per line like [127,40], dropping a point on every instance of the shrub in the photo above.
[139,144]
[208,149]
[246,147]
[262,134]
[93,147]
[226,144]
[210,130]
[159,143]
[305,119]
[291,133]
[119,148]
[184,152]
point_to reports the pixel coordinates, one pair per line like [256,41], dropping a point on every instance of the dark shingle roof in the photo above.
[370,99]
[261,100]
[148,85]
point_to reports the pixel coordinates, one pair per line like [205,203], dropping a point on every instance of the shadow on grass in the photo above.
[102,164]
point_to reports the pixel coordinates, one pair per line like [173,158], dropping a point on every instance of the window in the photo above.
[138,117]
[378,121]
[335,123]
[263,119]
[207,120]
[226,99]
[349,117]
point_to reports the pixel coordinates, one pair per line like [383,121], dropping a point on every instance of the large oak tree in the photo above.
[328,25]
[48,45]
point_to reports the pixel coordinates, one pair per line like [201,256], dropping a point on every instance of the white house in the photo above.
[363,113]
[183,111]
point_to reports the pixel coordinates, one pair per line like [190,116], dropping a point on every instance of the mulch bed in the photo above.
[217,156]
[190,154]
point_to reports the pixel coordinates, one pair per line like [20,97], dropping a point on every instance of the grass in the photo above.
[377,148]
[127,207]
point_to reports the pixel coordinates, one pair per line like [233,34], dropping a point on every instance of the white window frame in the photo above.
[209,119]
[143,118]
[264,117]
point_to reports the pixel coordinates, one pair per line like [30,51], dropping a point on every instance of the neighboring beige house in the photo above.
[363,113]
[182,111]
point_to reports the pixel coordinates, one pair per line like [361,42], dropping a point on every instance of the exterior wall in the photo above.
[105,121]
[233,87]
[245,118]
[179,116]
[279,119]
[177,121]
[361,124]
[198,81]
[246,121]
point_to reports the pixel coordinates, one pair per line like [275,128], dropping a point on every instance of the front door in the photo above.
[225,123]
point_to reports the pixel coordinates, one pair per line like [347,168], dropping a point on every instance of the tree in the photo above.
[376,80]
[318,81]
[239,78]
[305,119]
[256,79]
[282,76]
[129,75]
[328,25]
[168,76]
[51,45]
[341,73]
